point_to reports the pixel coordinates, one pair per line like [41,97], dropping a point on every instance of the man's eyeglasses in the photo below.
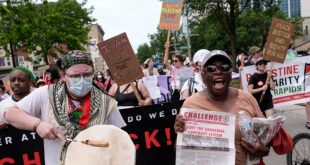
[260,63]
[223,68]
[175,61]
[84,75]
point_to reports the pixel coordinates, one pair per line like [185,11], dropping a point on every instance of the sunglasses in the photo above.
[260,63]
[175,60]
[223,68]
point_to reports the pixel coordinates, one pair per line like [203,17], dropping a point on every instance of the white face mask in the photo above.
[80,86]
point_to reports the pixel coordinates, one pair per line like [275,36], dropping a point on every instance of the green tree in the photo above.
[144,52]
[46,25]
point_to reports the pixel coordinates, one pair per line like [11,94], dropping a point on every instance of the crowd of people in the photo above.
[72,96]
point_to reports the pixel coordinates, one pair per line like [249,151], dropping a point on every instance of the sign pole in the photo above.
[267,82]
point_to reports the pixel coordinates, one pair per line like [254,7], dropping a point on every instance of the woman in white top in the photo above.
[195,84]
[149,70]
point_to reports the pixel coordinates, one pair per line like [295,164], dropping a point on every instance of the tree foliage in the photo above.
[30,25]
[144,52]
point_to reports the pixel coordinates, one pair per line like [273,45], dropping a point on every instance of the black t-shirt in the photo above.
[258,81]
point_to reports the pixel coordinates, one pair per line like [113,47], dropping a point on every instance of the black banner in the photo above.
[151,130]
[20,147]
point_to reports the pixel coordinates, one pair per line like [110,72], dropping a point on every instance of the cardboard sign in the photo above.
[170,14]
[279,39]
[6,83]
[121,59]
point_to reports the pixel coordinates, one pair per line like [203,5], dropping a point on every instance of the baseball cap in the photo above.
[216,54]
[199,55]
[254,49]
[259,60]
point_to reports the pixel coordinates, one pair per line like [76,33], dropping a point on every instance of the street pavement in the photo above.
[295,123]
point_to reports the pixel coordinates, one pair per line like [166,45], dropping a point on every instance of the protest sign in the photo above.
[6,83]
[171,14]
[151,84]
[165,89]
[290,79]
[151,129]
[20,147]
[99,64]
[121,60]
[207,138]
[279,38]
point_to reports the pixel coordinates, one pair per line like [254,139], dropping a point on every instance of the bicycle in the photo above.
[301,151]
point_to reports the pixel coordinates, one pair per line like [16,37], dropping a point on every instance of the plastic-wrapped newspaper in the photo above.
[266,129]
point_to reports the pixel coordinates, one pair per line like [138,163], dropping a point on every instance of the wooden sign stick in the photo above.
[135,90]
[167,44]
[267,81]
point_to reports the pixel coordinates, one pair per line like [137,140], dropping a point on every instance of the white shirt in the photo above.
[4,105]
[198,84]
[37,104]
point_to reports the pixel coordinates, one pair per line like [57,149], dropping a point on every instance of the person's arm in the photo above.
[166,57]
[253,91]
[271,82]
[184,94]
[113,89]
[251,86]
[179,125]
[145,93]
[21,120]
[258,149]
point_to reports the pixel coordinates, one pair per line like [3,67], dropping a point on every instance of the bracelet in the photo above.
[35,126]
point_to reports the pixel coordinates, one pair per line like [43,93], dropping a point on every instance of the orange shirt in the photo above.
[238,100]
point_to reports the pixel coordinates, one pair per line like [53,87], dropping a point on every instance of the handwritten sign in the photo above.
[120,58]
[171,14]
[278,41]
[6,83]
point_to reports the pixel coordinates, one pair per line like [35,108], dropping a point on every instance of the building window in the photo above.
[284,6]
[295,8]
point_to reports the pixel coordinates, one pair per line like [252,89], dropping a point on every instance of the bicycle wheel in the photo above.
[301,152]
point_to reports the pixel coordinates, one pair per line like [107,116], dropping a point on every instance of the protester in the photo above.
[254,53]
[194,84]
[109,80]
[160,70]
[308,114]
[20,81]
[51,76]
[178,63]
[257,84]
[99,80]
[40,83]
[149,70]
[125,96]
[218,96]
[3,94]
[62,110]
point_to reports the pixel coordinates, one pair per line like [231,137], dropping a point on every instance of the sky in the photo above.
[137,18]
